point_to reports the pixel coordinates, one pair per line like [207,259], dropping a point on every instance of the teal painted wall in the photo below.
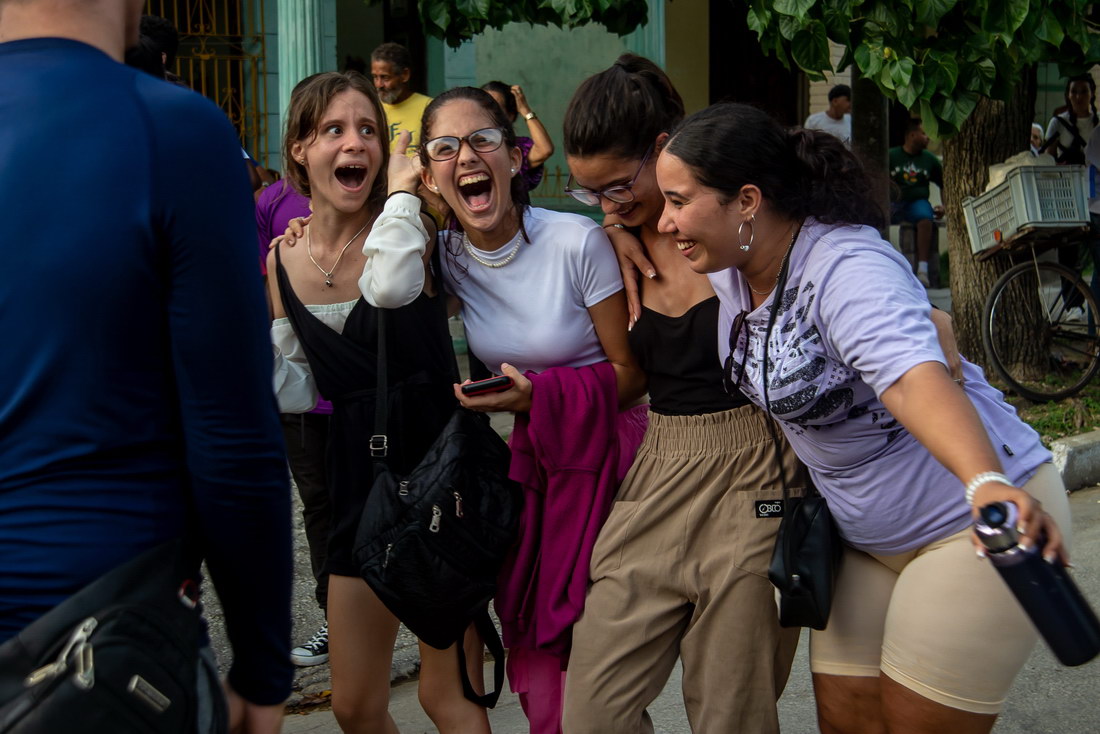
[549,63]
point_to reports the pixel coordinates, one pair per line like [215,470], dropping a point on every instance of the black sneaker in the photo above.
[313,652]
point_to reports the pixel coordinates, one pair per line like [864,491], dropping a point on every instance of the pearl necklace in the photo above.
[794,236]
[518,240]
[309,251]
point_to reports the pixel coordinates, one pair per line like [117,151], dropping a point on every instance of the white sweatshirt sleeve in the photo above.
[393,275]
[294,386]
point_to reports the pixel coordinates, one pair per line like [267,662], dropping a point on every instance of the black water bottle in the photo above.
[1045,590]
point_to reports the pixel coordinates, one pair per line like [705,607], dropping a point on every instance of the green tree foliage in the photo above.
[938,56]
[456,21]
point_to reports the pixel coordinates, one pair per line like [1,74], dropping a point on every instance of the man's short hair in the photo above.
[394,54]
[163,35]
[912,124]
[840,90]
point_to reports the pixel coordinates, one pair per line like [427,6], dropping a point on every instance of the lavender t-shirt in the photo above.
[852,320]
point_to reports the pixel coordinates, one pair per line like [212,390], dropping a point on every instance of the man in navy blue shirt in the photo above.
[135,367]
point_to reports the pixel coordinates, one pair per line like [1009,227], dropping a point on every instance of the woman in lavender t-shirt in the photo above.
[857,381]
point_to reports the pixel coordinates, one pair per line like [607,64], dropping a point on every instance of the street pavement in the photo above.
[1047,698]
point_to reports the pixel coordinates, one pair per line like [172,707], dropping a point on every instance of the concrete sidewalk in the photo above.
[1046,699]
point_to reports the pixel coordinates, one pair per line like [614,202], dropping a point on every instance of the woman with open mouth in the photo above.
[325,337]
[825,326]
[542,301]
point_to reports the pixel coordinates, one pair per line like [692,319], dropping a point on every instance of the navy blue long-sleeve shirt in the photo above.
[135,365]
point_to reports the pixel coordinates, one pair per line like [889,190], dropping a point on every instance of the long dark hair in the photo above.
[621,110]
[518,189]
[802,173]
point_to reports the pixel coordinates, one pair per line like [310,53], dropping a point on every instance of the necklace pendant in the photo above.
[328,283]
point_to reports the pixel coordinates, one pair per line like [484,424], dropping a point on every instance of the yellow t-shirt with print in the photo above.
[406,116]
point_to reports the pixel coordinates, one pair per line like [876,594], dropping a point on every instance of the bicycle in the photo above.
[1040,322]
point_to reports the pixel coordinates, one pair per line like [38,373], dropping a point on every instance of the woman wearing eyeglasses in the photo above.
[702,492]
[542,301]
[923,637]
[680,567]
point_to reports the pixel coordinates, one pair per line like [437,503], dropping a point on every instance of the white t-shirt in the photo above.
[1056,129]
[533,312]
[839,128]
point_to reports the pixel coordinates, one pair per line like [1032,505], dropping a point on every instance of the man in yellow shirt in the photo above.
[390,68]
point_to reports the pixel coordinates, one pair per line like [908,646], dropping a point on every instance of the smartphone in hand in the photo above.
[493,384]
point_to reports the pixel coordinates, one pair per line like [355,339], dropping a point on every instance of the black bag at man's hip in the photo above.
[430,544]
[118,657]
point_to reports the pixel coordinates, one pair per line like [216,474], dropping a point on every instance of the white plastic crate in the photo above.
[1032,198]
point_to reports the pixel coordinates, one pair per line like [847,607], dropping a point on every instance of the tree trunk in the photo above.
[870,131]
[993,132]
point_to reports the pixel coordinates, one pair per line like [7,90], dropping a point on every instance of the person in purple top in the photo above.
[277,205]
[536,149]
[854,374]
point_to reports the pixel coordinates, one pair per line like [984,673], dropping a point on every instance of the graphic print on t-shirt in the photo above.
[806,389]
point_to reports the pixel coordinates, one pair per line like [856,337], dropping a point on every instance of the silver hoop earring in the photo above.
[751,221]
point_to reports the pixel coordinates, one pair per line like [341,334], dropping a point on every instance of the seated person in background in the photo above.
[912,168]
[836,119]
[1036,138]
[537,148]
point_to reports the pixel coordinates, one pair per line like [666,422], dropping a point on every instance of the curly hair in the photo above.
[621,110]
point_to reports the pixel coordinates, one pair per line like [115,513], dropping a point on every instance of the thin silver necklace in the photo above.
[309,251]
[518,240]
[794,236]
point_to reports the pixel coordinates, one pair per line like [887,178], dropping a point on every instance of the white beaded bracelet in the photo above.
[984,477]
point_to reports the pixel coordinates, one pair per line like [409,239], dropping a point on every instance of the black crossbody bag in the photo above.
[806,559]
[431,543]
[118,657]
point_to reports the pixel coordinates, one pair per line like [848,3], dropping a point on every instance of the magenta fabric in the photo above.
[570,452]
[538,680]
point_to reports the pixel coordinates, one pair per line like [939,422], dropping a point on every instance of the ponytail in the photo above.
[802,173]
[621,110]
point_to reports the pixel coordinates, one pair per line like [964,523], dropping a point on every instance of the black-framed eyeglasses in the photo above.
[446,147]
[729,384]
[620,193]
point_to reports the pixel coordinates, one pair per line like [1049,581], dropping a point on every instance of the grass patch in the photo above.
[1069,417]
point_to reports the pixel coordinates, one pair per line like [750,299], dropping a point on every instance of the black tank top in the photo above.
[678,356]
[344,367]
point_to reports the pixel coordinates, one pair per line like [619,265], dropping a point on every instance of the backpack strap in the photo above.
[1077,146]
[488,631]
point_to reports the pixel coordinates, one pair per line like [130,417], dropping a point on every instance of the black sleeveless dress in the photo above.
[421,400]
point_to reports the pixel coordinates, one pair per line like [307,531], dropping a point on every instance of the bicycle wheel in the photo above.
[1040,331]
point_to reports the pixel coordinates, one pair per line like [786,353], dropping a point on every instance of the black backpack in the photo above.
[431,543]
